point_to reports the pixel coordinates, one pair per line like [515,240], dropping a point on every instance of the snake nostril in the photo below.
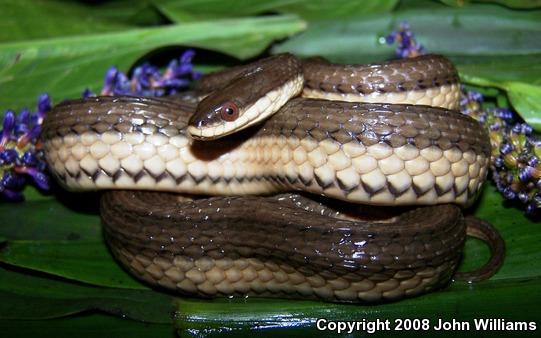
[200,123]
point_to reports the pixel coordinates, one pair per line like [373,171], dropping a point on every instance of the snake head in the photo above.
[248,98]
[212,120]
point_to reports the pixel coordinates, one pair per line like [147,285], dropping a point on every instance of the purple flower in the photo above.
[21,158]
[88,93]
[515,165]
[44,106]
[506,149]
[407,46]
[509,193]
[7,129]
[147,80]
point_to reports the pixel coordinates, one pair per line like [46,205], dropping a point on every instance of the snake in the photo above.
[287,178]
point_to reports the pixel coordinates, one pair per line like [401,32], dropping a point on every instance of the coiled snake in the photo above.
[338,238]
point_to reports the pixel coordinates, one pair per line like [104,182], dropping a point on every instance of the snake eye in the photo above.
[229,111]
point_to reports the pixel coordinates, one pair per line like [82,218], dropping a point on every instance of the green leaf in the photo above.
[83,261]
[189,10]
[491,46]
[469,34]
[89,326]
[508,3]
[525,97]
[48,236]
[265,317]
[64,67]
[26,296]
[47,219]
[25,20]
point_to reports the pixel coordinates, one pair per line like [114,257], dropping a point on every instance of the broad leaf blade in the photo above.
[47,219]
[65,67]
[188,10]
[85,261]
[265,317]
[522,4]
[525,97]
[25,20]
[490,45]
[476,31]
[26,296]
[89,326]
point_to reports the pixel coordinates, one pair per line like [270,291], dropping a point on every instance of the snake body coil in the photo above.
[285,245]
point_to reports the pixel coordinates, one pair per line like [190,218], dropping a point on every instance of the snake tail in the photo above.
[486,232]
